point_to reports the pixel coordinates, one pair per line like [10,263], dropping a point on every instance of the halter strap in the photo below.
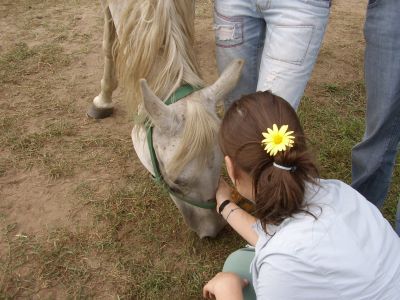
[182,92]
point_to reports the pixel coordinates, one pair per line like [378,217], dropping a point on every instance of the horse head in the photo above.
[186,147]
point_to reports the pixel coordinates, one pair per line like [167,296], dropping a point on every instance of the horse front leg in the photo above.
[102,106]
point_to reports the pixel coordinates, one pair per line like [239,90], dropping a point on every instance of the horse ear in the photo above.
[160,114]
[224,84]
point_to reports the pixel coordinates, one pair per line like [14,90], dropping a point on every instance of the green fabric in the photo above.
[182,92]
[239,262]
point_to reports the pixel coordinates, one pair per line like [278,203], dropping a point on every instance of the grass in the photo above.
[130,246]
[125,239]
[335,125]
[22,61]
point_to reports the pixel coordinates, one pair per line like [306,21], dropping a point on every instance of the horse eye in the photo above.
[176,190]
[179,182]
[178,187]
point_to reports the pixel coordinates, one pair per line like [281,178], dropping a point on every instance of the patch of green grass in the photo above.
[32,264]
[334,126]
[6,123]
[60,128]
[52,55]
[85,191]
[58,166]
[11,63]
[30,144]
[20,52]
[147,243]
[22,61]
[3,167]
[30,148]
[332,88]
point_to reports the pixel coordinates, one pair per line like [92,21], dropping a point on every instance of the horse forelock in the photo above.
[198,140]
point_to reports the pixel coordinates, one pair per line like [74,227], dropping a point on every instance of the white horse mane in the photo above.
[156,42]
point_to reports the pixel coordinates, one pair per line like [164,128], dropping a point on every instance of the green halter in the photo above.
[180,93]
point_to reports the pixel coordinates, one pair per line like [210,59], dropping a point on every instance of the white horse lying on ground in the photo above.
[150,43]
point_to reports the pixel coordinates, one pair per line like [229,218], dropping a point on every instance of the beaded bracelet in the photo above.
[232,210]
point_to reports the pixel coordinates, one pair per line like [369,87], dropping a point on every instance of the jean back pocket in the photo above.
[288,43]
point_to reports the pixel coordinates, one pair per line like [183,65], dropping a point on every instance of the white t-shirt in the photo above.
[349,252]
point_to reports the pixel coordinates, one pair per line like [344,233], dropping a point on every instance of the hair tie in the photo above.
[291,169]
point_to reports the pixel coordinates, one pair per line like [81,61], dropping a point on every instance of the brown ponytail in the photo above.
[279,194]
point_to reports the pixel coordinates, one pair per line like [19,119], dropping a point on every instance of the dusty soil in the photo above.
[79,216]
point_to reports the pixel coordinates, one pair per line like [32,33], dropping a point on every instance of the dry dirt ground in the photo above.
[79,217]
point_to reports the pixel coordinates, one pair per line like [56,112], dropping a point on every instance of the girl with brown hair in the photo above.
[311,238]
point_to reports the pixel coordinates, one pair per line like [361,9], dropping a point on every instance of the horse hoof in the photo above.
[99,113]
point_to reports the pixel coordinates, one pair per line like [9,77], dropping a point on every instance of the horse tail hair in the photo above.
[156,42]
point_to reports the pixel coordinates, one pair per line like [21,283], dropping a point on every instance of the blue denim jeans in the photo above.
[278,39]
[374,157]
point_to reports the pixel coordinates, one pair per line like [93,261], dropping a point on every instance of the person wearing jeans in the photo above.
[278,39]
[374,157]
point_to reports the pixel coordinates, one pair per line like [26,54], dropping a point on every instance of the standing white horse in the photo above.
[151,43]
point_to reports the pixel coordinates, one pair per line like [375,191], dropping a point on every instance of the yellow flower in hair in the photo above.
[277,139]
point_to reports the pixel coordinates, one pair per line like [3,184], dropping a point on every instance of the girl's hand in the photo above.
[224,192]
[225,285]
